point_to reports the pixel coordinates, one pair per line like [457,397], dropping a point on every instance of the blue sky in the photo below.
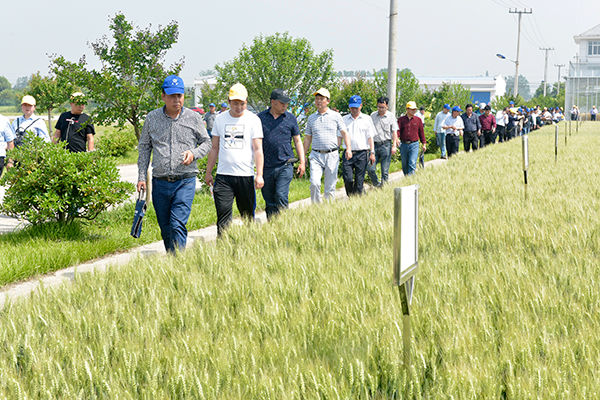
[437,38]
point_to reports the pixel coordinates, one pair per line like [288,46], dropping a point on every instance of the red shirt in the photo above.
[487,123]
[411,129]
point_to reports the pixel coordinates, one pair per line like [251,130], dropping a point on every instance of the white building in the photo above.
[583,82]
[483,88]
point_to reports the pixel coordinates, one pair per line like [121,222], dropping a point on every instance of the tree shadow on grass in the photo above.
[50,231]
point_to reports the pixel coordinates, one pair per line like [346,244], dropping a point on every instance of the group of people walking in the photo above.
[255,152]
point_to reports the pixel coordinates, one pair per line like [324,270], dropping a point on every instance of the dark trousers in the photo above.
[510,133]
[277,188]
[173,204]
[489,137]
[470,141]
[452,142]
[2,165]
[353,171]
[225,190]
[501,131]
[592,117]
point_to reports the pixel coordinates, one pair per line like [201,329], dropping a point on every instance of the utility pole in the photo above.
[559,66]
[546,49]
[393,40]
[520,12]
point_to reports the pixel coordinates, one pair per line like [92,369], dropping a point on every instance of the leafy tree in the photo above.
[49,92]
[524,90]
[454,94]
[209,95]
[21,83]
[128,85]
[9,97]
[277,61]
[53,184]
[363,87]
[4,84]
[407,87]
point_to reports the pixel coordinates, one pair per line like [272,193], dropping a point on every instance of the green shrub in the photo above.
[49,183]
[116,143]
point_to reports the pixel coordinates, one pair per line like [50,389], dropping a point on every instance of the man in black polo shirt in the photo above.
[279,129]
[75,126]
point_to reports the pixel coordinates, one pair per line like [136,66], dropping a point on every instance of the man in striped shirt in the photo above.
[325,131]
[176,137]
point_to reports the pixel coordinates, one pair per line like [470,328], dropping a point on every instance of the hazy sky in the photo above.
[437,38]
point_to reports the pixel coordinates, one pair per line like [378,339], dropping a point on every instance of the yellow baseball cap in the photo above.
[411,105]
[28,100]
[323,92]
[238,92]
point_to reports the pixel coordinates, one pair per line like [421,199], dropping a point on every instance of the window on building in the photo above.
[593,48]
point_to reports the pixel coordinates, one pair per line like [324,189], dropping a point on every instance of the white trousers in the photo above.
[323,164]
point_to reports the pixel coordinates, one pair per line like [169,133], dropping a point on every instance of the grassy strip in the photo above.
[303,307]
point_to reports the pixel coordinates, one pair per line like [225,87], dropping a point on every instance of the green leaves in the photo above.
[128,85]
[277,61]
[49,183]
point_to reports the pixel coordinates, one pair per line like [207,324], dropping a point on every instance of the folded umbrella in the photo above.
[422,159]
[140,211]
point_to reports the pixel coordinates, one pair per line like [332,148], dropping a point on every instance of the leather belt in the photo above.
[175,178]
[325,151]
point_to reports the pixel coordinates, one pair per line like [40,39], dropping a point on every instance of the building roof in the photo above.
[593,33]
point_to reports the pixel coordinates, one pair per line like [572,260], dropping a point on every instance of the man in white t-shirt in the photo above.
[454,127]
[361,131]
[237,144]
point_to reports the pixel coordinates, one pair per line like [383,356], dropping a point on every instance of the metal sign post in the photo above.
[406,249]
[565,133]
[570,129]
[525,159]
[555,142]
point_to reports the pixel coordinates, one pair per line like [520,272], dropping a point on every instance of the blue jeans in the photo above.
[277,188]
[441,142]
[409,154]
[173,204]
[383,155]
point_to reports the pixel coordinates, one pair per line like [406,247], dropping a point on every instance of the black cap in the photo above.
[279,94]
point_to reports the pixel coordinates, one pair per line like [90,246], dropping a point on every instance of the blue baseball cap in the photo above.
[447,106]
[511,102]
[456,108]
[211,105]
[173,85]
[355,101]
[223,104]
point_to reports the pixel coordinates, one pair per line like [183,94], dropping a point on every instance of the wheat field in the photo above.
[505,302]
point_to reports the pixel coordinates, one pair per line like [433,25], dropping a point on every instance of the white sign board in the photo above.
[406,231]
